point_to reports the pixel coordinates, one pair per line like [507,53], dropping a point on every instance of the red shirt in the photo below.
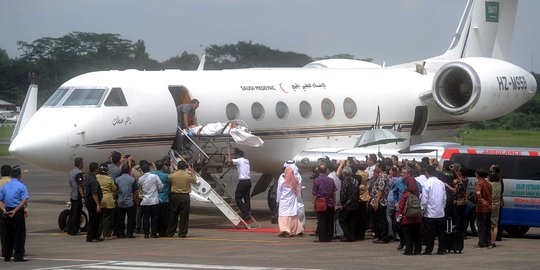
[483,201]
[401,208]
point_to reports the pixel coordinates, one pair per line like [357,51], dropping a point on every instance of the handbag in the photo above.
[321,204]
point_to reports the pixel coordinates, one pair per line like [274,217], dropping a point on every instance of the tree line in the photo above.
[52,61]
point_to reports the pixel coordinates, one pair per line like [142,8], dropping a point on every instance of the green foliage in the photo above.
[343,56]
[499,137]
[247,55]
[186,61]
[5,132]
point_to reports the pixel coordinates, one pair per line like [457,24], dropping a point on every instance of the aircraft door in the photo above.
[419,124]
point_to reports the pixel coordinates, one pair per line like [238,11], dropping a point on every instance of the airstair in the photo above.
[208,157]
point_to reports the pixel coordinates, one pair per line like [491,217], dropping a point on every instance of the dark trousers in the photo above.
[325,225]
[484,228]
[3,234]
[138,217]
[93,220]
[362,221]
[413,239]
[150,218]
[399,231]
[348,219]
[242,199]
[435,227]
[179,204]
[163,221]
[122,229]
[460,219]
[75,216]
[15,235]
[106,222]
[382,223]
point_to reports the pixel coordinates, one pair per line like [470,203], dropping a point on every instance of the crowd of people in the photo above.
[123,198]
[407,201]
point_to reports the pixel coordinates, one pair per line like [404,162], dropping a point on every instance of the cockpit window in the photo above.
[116,98]
[56,97]
[82,97]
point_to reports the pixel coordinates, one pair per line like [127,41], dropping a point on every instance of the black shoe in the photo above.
[313,234]
[345,240]
[426,253]
[95,240]
[155,236]
[182,236]
[20,260]
[130,236]
[380,241]
[146,236]
[299,234]
[400,247]
[284,234]
[73,233]
[440,252]
[407,253]
[6,259]
[121,236]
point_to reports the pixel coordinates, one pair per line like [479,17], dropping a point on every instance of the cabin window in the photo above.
[327,108]
[116,98]
[232,111]
[349,107]
[84,97]
[257,111]
[56,97]
[282,111]
[305,109]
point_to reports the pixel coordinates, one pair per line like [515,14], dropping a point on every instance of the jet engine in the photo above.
[475,89]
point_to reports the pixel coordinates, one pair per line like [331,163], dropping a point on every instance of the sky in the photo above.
[390,31]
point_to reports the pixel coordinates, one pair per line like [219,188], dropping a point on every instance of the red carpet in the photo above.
[259,230]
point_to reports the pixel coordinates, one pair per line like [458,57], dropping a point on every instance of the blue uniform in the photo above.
[13,193]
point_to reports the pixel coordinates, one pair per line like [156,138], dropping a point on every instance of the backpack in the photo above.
[412,206]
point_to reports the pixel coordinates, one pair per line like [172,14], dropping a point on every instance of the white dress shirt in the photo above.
[242,165]
[151,186]
[433,198]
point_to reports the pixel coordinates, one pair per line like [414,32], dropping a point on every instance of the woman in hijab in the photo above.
[410,225]
[288,194]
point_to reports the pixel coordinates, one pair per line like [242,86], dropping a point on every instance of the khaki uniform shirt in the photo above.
[4,180]
[109,190]
[181,181]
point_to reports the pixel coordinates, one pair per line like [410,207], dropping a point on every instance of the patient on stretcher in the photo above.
[240,134]
[214,129]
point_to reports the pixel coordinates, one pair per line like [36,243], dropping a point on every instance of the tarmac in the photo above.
[213,242]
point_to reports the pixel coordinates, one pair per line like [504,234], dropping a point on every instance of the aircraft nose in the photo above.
[38,142]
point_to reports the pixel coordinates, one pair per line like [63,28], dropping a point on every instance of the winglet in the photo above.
[28,109]
[485,30]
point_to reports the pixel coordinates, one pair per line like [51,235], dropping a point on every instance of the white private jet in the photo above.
[300,113]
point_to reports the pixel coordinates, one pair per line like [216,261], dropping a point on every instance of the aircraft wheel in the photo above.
[63,220]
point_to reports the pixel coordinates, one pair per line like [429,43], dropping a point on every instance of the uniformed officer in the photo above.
[13,199]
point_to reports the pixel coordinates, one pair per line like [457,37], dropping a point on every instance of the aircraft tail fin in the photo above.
[485,30]
[27,111]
